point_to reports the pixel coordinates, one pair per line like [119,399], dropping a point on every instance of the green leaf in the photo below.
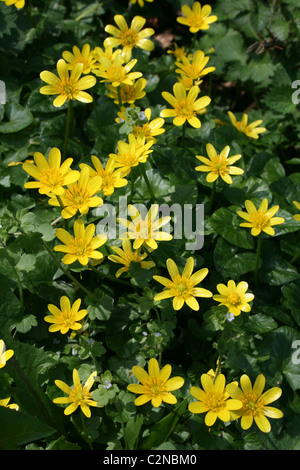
[226,223]
[164,428]
[132,430]
[18,118]
[18,428]
[230,261]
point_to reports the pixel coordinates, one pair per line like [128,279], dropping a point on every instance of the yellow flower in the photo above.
[197,17]
[128,93]
[67,86]
[145,231]
[140,2]
[150,129]
[84,57]
[260,219]
[115,72]
[82,246]
[80,196]
[182,287]
[213,399]
[255,402]
[186,106]
[297,216]
[5,354]
[125,256]
[6,404]
[188,82]
[251,130]
[194,68]
[234,297]
[176,51]
[155,386]
[78,394]
[51,175]
[131,153]
[219,164]
[67,317]
[17,3]
[129,37]
[110,177]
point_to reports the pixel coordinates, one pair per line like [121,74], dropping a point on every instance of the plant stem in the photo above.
[119,96]
[144,175]
[295,256]
[62,207]
[223,337]
[183,133]
[85,434]
[257,259]
[67,272]
[122,423]
[68,125]
[212,195]
[110,278]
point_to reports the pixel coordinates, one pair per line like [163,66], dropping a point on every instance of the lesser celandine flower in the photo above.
[131,153]
[155,385]
[128,93]
[150,129]
[145,231]
[52,176]
[110,177]
[80,196]
[219,164]
[68,86]
[129,37]
[261,219]
[17,3]
[78,394]
[255,402]
[194,68]
[82,246]
[234,297]
[251,130]
[115,72]
[185,106]
[67,317]
[5,354]
[140,2]
[84,57]
[6,404]
[213,399]
[297,216]
[177,51]
[126,255]
[182,287]
[197,17]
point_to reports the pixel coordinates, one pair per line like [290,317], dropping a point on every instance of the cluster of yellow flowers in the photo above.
[76,192]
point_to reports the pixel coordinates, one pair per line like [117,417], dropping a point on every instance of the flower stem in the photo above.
[257,259]
[67,272]
[85,434]
[183,133]
[220,347]
[119,96]
[110,278]
[68,125]
[212,195]
[297,254]
[143,172]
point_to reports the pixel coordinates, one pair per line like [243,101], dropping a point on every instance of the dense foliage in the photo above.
[253,47]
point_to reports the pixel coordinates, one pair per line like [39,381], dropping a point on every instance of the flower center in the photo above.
[215,401]
[252,404]
[68,88]
[233,298]
[259,220]
[80,247]
[52,177]
[129,38]
[196,21]
[184,108]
